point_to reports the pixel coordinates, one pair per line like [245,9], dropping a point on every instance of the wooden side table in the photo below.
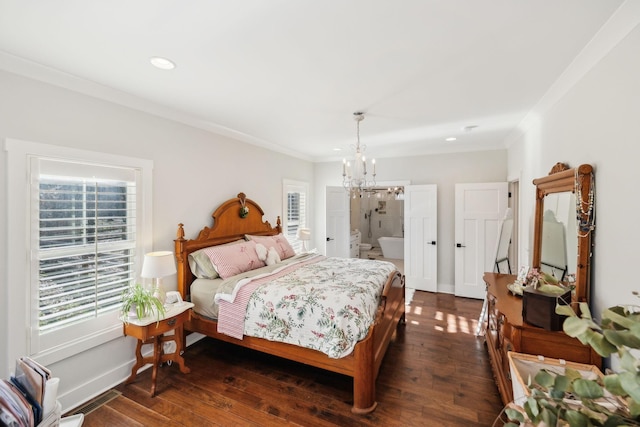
[149,331]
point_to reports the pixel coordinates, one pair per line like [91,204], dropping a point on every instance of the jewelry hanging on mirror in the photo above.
[585,212]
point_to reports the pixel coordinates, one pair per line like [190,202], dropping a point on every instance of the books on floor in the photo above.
[25,400]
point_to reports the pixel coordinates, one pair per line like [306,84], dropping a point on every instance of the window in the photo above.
[295,199]
[86,241]
[85,229]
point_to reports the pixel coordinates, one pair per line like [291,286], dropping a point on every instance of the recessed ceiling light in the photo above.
[337,149]
[162,63]
[451,138]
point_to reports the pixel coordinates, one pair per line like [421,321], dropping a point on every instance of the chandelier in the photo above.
[354,175]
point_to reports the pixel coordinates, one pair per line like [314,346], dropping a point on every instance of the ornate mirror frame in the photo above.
[579,181]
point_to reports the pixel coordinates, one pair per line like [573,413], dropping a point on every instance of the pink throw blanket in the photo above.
[231,314]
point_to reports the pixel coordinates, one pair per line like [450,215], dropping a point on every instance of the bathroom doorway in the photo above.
[378,216]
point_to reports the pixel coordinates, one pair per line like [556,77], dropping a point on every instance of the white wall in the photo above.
[594,119]
[194,171]
[444,170]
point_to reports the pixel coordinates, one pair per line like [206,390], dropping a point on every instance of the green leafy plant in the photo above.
[142,301]
[570,399]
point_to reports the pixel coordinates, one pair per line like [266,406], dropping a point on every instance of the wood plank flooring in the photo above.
[435,373]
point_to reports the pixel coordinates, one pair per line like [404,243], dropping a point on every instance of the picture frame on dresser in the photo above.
[523,271]
[506,329]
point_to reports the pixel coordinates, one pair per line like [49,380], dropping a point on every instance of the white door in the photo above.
[479,211]
[420,237]
[338,222]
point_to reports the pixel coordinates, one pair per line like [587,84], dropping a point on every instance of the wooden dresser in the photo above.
[507,331]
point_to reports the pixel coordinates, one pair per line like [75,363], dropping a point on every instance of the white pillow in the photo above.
[279,242]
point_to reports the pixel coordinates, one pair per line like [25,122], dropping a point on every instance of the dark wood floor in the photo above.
[435,373]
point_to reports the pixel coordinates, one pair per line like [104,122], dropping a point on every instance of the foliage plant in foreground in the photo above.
[571,400]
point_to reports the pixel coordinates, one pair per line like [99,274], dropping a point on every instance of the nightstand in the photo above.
[149,331]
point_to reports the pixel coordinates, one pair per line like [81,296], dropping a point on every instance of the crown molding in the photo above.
[26,68]
[624,20]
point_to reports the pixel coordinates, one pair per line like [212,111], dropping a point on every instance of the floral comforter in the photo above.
[326,304]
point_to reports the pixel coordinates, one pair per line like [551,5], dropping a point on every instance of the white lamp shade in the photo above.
[158,264]
[304,234]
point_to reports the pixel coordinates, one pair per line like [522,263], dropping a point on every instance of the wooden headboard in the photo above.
[228,225]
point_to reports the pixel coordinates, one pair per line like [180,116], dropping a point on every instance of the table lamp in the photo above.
[304,235]
[157,265]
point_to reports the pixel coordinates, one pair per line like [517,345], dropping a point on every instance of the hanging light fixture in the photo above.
[396,193]
[354,175]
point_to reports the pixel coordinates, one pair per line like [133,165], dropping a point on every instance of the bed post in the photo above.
[181,263]
[364,377]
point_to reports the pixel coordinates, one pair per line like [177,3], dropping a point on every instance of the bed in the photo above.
[240,217]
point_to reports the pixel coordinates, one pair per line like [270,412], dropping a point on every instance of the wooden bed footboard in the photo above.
[363,364]
[369,353]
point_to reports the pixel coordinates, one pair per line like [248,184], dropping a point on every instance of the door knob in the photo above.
[460,245]
[433,242]
[329,239]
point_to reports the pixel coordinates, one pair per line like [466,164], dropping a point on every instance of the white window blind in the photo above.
[78,226]
[83,240]
[296,211]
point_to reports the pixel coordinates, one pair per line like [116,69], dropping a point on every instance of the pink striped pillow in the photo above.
[279,242]
[234,259]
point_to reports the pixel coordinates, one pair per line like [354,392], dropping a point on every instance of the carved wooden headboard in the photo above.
[231,221]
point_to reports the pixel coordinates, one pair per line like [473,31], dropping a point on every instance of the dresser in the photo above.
[507,331]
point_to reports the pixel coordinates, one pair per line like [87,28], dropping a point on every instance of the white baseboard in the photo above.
[95,386]
[446,289]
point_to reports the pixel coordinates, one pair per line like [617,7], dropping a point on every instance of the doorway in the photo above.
[377,213]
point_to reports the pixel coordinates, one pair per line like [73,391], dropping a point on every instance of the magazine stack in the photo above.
[29,398]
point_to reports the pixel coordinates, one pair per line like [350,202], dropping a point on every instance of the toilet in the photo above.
[364,250]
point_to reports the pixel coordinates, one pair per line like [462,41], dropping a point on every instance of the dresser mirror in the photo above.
[564,224]
[559,243]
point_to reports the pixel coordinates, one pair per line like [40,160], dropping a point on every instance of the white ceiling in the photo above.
[288,74]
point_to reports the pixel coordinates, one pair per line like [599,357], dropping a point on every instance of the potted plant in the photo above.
[613,400]
[137,301]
